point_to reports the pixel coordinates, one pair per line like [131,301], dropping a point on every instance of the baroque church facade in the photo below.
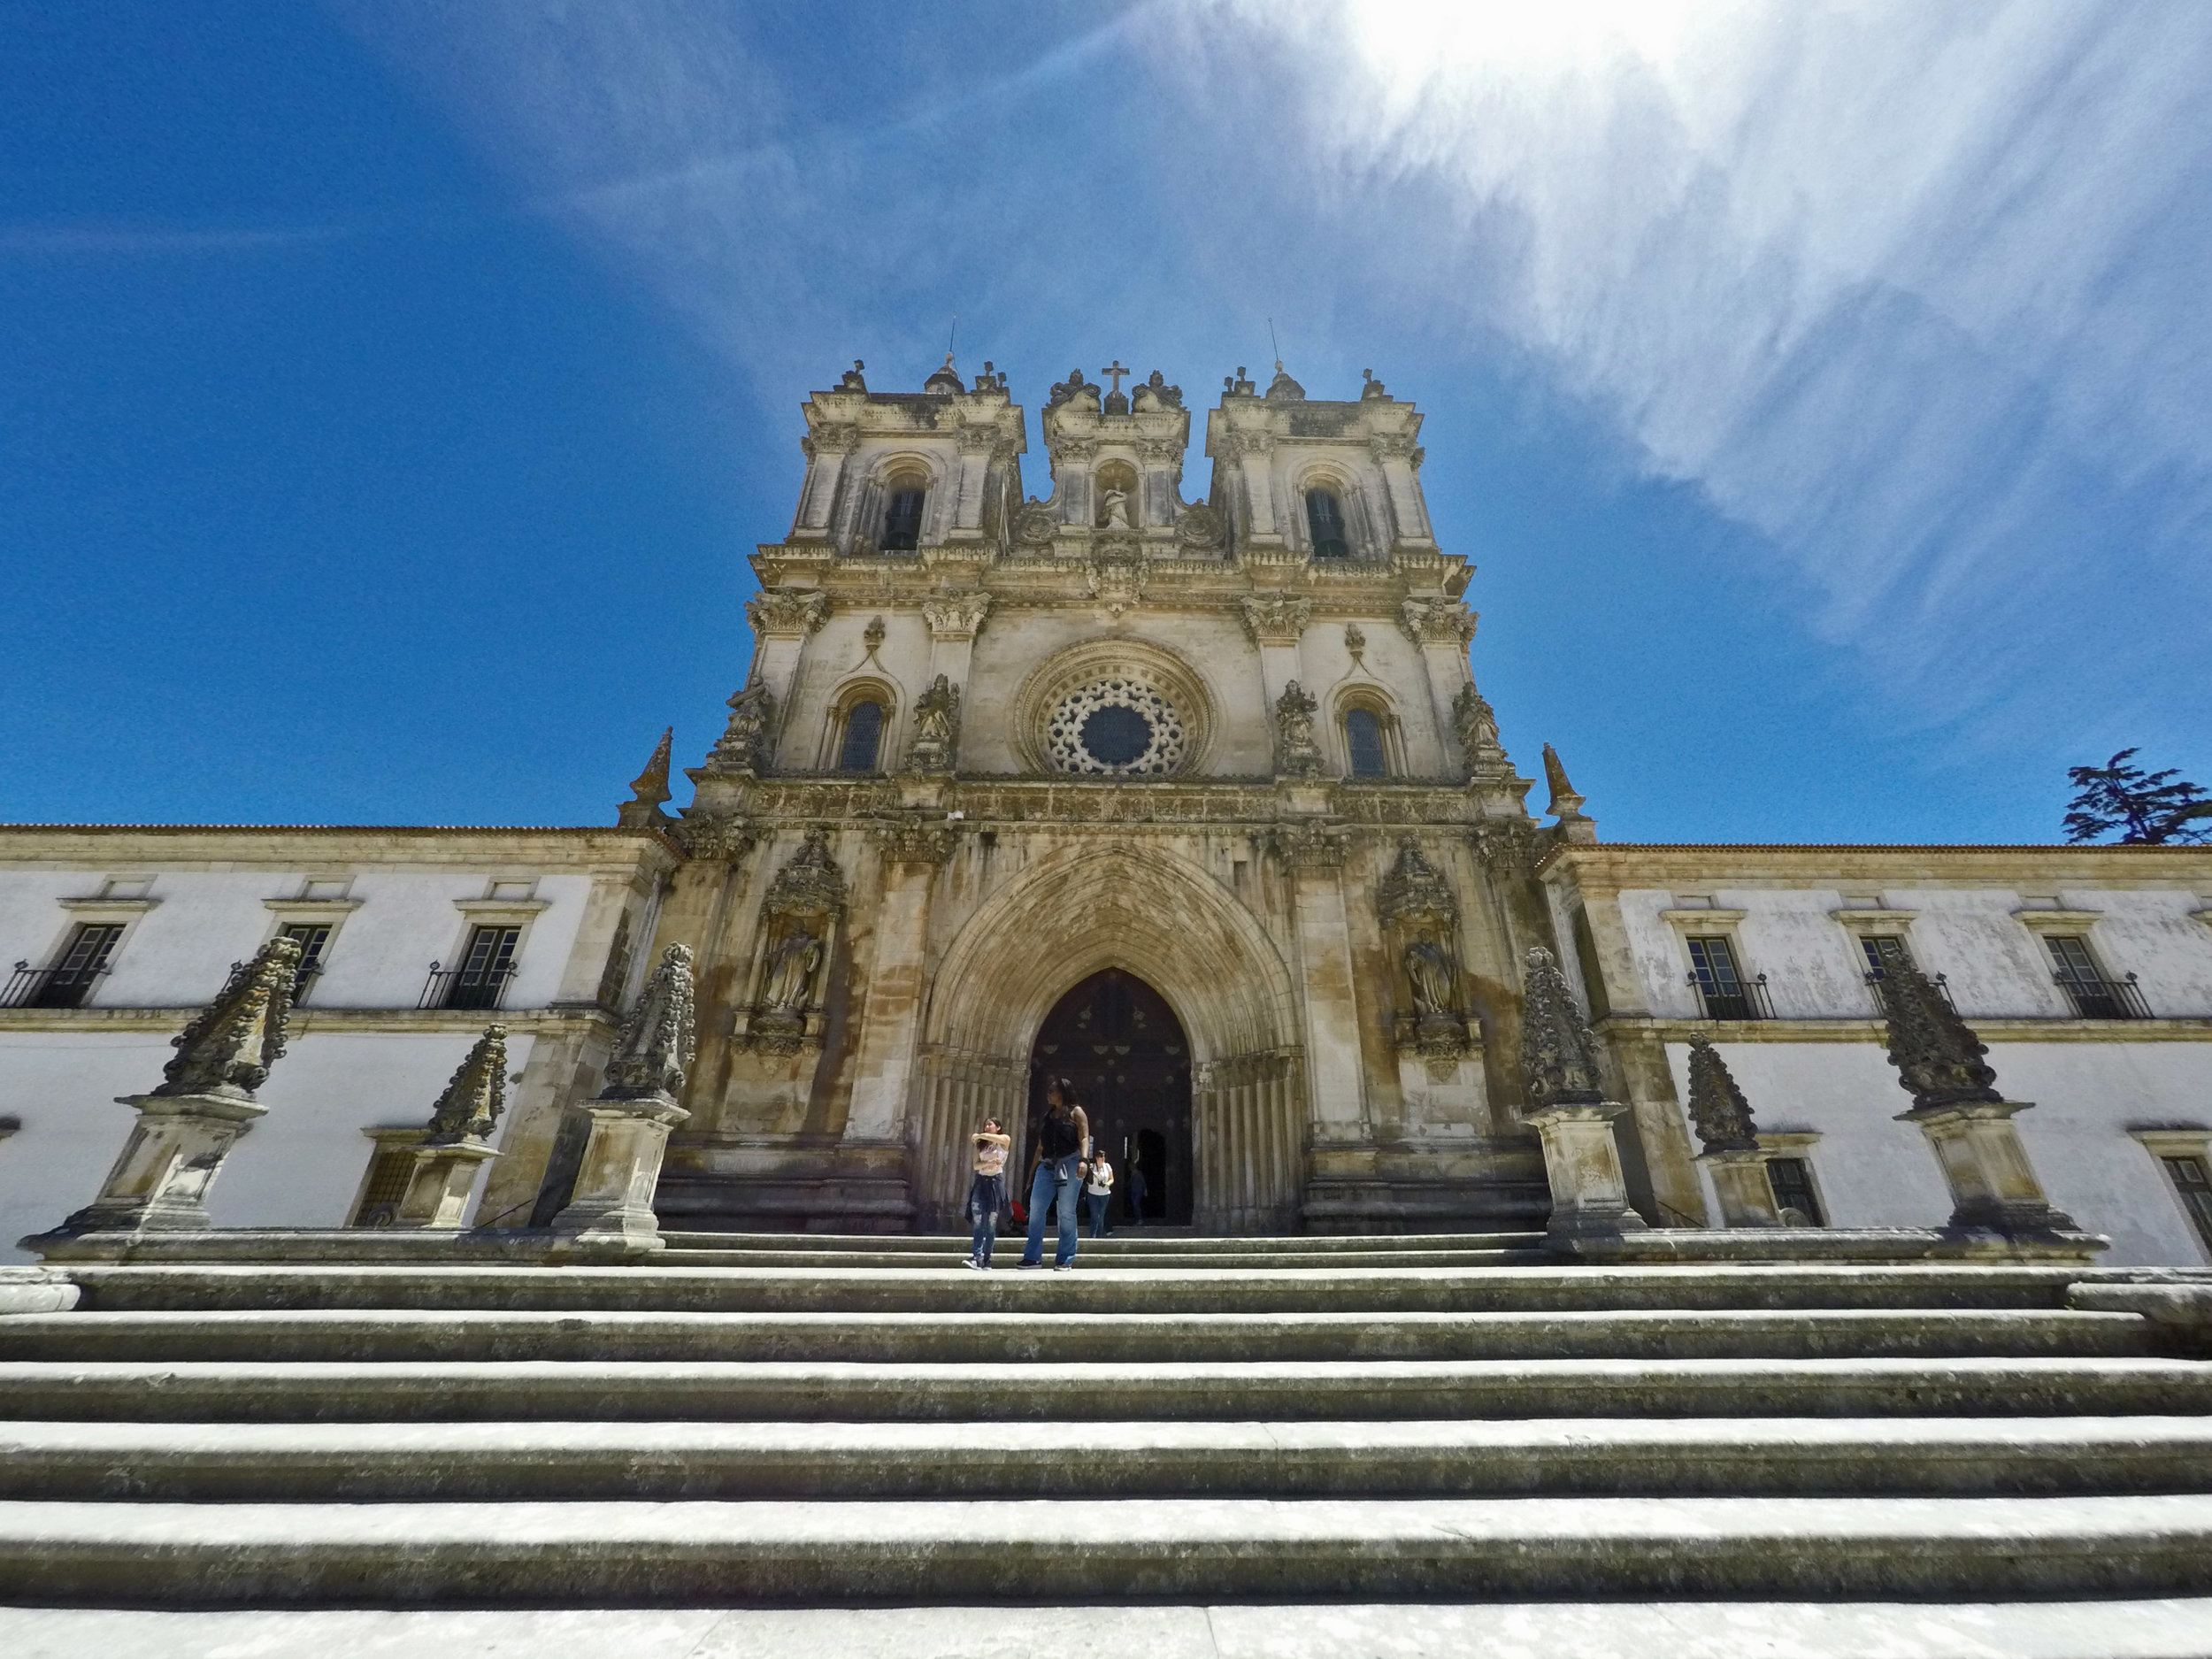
[1195,802]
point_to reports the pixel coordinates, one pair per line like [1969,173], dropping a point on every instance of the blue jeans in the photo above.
[1096,1203]
[986,1195]
[1053,1183]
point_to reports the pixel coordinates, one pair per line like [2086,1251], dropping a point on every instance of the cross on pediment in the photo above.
[1116,371]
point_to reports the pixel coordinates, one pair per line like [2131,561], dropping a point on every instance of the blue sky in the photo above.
[390,392]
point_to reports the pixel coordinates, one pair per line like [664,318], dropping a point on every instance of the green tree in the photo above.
[2148,808]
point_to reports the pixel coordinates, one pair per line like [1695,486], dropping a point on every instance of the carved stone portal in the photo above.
[801,926]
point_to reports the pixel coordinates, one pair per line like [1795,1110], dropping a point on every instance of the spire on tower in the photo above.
[649,789]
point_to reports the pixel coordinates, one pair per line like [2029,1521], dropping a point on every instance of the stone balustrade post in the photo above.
[1740,1183]
[611,1207]
[438,1188]
[1993,1187]
[1589,1195]
[159,1183]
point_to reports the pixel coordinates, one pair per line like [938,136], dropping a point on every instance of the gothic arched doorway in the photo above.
[1117,1040]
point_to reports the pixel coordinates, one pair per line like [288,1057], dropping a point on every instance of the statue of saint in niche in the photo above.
[791,970]
[1116,501]
[1429,969]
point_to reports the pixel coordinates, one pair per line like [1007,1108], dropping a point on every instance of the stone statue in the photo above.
[937,727]
[1718,1111]
[1116,502]
[656,1044]
[744,741]
[791,970]
[1477,724]
[1429,971]
[1296,755]
[228,1048]
[469,1109]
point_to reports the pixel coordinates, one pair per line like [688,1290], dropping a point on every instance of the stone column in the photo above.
[955,619]
[438,1188]
[1336,1079]
[977,443]
[1397,456]
[1443,629]
[1276,624]
[782,618]
[890,1026]
[826,449]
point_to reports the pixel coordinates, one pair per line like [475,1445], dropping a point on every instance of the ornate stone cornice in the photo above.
[916,840]
[1506,848]
[956,616]
[1116,575]
[1310,847]
[1275,619]
[1437,621]
[785,610]
[828,440]
[720,836]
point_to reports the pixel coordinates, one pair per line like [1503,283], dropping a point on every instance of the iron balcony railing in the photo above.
[1878,982]
[48,987]
[2096,997]
[1744,999]
[464,986]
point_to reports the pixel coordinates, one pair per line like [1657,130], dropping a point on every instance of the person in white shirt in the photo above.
[1097,1191]
[987,1190]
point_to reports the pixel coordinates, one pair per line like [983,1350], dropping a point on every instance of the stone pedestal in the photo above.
[1589,1197]
[1993,1187]
[611,1207]
[1739,1181]
[159,1183]
[438,1189]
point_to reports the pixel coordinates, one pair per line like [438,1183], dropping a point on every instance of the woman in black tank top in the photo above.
[1064,1144]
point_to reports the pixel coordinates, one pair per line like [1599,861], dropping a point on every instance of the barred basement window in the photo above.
[2193,1183]
[1791,1179]
[389,1170]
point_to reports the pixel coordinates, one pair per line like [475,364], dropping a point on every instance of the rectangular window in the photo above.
[1720,986]
[70,979]
[2094,996]
[1884,951]
[1363,737]
[486,966]
[390,1167]
[312,938]
[1791,1179]
[2194,1183]
[903,521]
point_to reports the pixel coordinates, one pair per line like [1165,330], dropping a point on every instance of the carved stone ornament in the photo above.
[918,838]
[1477,724]
[1419,917]
[795,946]
[1565,804]
[871,637]
[1559,1057]
[1310,847]
[469,1109]
[936,728]
[658,1040]
[1393,446]
[717,835]
[230,1045]
[1506,847]
[789,610]
[1116,576]
[956,616]
[1438,621]
[1356,643]
[743,745]
[1414,890]
[1274,620]
[1198,525]
[837,440]
[1035,525]
[1296,754]
[1718,1111]
[649,789]
[1938,1056]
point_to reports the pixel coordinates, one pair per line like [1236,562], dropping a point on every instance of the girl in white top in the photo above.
[1097,1191]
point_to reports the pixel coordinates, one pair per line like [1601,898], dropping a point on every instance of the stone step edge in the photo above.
[1026,1549]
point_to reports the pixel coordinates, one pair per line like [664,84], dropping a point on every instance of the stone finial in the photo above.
[469,1109]
[656,1047]
[1564,803]
[936,728]
[228,1048]
[1719,1111]
[1296,754]
[743,745]
[1938,1056]
[1559,1057]
[648,788]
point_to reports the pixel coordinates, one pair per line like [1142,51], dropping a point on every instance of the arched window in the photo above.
[1324,519]
[863,736]
[1364,742]
[903,513]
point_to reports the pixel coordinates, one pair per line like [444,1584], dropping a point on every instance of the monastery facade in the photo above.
[1196,802]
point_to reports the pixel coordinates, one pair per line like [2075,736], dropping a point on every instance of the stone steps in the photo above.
[1278,1391]
[595,1552]
[1008,1339]
[229,1462]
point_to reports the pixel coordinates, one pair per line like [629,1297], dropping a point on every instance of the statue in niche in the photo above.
[1114,502]
[791,970]
[936,727]
[1429,971]
[1296,754]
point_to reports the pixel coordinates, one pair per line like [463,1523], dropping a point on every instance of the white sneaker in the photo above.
[972,1261]
[1063,1267]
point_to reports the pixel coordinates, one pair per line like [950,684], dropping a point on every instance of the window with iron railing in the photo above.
[482,977]
[1721,990]
[69,978]
[1886,952]
[2094,994]
[313,938]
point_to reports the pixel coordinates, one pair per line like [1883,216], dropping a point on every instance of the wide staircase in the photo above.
[746,1421]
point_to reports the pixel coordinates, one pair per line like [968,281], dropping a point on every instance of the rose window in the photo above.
[1116,727]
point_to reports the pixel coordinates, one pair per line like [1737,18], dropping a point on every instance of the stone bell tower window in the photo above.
[1325,520]
[1363,742]
[862,736]
[902,514]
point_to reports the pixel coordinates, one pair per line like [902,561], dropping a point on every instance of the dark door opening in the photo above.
[1116,1039]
